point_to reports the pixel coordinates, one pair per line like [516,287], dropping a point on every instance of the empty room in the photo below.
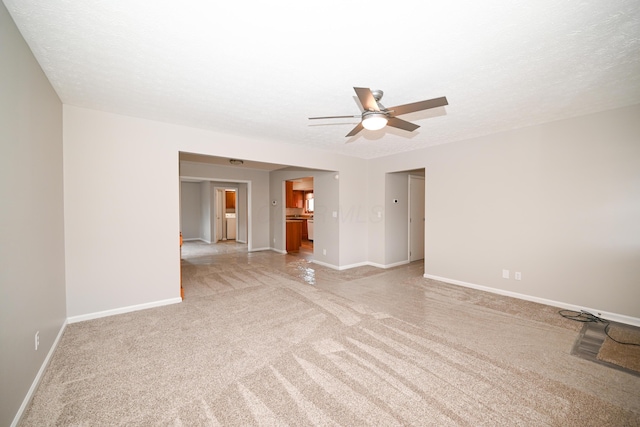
[342,213]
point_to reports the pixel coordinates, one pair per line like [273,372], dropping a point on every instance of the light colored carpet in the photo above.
[270,339]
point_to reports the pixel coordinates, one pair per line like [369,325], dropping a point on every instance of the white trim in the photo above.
[359,264]
[334,267]
[395,264]
[385,266]
[122,310]
[377,265]
[614,317]
[197,239]
[260,249]
[38,378]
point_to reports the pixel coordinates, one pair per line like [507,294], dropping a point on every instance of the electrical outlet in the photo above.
[505,274]
[324,252]
[37,339]
[518,275]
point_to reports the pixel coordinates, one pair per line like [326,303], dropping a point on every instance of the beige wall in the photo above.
[190,212]
[327,227]
[251,207]
[32,296]
[559,202]
[121,193]
[555,202]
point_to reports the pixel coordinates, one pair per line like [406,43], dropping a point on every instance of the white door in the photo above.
[416,218]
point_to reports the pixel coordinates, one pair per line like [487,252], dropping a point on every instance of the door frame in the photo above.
[248,214]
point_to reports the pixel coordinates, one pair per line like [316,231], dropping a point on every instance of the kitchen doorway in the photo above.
[299,221]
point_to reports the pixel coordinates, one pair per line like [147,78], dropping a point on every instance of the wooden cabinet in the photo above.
[289,194]
[294,198]
[305,230]
[230,199]
[294,236]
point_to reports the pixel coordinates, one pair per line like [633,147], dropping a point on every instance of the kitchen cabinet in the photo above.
[289,194]
[294,236]
[230,199]
[294,198]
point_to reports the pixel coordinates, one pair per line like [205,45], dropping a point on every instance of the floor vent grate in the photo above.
[589,342]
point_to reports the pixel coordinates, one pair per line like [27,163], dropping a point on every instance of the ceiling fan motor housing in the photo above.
[377,94]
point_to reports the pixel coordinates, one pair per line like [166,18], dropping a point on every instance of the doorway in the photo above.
[226,225]
[299,222]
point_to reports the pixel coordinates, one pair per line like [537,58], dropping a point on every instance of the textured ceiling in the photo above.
[260,69]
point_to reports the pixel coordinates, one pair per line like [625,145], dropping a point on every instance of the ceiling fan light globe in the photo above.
[374,121]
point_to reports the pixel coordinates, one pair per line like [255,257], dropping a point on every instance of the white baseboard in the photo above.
[360,264]
[128,309]
[335,267]
[261,249]
[614,317]
[38,378]
[395,264]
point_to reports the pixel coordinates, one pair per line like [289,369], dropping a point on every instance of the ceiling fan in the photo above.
[375,116]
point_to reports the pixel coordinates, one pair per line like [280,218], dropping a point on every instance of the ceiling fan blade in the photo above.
[355,130]
[418,106]
[366,98]
[402,124]
[335,117]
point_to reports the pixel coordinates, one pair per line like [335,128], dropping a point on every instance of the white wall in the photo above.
[190,210]
[559,202]
[326,189]
[553,201]
[207,212]
[242,212]
[353,210]
[32,292]
[122,204]
[396,218]
[330,230]
[121,193]
[250,213]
